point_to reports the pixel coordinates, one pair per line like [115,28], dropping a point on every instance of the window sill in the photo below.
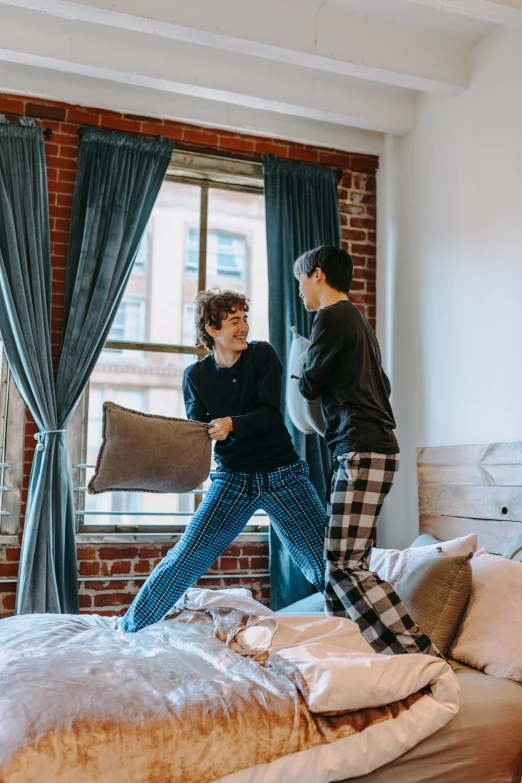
[149,538]
[7,540]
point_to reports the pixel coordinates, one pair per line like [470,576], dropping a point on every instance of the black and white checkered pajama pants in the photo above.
[359,487]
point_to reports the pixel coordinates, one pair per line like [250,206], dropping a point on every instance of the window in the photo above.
[140,262]
[12,416]
[207,229]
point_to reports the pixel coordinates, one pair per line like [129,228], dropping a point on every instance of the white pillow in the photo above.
[306,415]
[394,565]
[490,634]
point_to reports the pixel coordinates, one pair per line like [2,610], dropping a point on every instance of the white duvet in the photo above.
[83,702]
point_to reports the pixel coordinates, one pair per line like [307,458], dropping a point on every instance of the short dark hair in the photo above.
[336,264]
[212,308]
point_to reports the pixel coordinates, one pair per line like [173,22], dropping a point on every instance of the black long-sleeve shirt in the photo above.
[344,369]
[250,393]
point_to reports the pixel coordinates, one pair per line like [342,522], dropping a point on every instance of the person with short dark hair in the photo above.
[344,368]
[237,388]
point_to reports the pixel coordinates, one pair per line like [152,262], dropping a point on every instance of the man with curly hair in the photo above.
[237,388]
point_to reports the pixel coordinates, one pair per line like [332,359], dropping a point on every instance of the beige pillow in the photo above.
[306,415]
[490,634]
[435,593]
[141,452]
[394,565]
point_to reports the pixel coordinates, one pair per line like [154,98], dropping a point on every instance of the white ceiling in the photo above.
[334,72]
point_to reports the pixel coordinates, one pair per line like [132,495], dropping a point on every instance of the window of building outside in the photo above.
[12,417]
[201,234]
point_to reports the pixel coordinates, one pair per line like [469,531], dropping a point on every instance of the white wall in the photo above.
[450,270]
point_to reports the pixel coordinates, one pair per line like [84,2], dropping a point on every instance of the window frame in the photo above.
[12,436]
[208,173]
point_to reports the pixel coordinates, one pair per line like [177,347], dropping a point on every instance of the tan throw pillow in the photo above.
[394,565]
[306,415]
[141,452]
[435,594]
[490,635]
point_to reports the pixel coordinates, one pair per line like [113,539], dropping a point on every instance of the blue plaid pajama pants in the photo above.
[359,487]
[289,499]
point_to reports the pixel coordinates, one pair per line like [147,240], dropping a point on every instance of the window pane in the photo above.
[236,251]
[145,381]
[166,276]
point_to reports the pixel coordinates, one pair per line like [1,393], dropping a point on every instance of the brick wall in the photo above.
[357,195]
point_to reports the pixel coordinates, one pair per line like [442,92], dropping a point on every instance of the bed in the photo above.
[90,703]
[462,490]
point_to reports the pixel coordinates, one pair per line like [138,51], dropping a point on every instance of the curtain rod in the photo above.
[48,133]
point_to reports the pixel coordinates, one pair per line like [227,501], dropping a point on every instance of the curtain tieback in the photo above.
[39,437]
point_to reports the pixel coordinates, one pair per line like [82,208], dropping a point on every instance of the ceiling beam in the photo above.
[502,12]
[314,34]
[133,99]
[127,57]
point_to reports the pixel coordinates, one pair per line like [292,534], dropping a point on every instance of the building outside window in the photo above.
[12,418]
[201,234]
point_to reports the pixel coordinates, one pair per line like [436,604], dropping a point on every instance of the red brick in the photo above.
[118,552]
[234,550]
[8,569]
[335,160]
[82,116]
[364,162]
[46,112]
[352,235]
[241,145]
[305,155]
[228,563]
[259,563]
[206,137]
[67,175]
[149,551]
[142,567]
[120,568]
[10,105]
[88,568]
[364,250]
[68,151]
[113,599]
[85,601]
[12,554]
[168,131]
[252,549]
[9,601]
[365,222]
[267,147]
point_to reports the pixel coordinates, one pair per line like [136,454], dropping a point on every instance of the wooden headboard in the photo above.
[471,489]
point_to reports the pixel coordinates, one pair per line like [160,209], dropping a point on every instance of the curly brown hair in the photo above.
[212,308]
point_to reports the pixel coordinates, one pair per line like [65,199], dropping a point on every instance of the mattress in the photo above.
[482,744]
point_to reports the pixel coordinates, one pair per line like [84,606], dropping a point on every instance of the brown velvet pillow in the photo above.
[435,593]
[141,452]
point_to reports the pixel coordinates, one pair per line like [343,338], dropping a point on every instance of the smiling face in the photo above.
[310,289]
[233,333]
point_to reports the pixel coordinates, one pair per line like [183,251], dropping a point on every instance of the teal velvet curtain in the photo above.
[118,179]
[302,212]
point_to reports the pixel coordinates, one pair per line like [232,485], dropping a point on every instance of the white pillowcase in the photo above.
[305,415]
[394,565]
[490,634]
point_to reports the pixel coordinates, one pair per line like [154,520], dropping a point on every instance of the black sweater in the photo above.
[250,393]
[344,368]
